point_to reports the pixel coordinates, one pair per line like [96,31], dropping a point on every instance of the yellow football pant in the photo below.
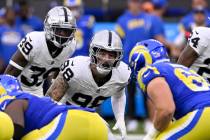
[193,126]
[72,125]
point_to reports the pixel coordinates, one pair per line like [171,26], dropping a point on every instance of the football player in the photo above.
[196,54]
[175,91]
[40,54]
[88,81]
[38,118]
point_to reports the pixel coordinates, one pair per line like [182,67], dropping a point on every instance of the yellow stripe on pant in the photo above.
[72,125]
[193,126]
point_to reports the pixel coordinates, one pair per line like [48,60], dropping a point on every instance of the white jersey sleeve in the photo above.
[26,47]
[199,39]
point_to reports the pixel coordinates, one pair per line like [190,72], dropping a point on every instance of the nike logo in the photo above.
[145,75]
[4,106]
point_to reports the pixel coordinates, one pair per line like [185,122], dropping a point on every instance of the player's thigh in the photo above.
[72,125]
[49,131]
[193,126]
[82,125]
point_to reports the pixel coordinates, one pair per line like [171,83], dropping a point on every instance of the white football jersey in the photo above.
[40,63]
[200,42]
[83,90]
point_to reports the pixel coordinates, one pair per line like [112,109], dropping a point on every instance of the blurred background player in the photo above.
[42,118]
[134,26]
[10,36]
[199,18]
[147,7]
[40,54]
[85,24]
[188,21]
[196,53]
[105,76]
[175,91]
[25,19]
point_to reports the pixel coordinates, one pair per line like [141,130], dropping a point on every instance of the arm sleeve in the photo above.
[118,104]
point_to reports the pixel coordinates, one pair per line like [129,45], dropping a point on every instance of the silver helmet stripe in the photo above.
[65,14]
[110,39]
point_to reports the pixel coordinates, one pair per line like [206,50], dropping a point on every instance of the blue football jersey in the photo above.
[30,24]
[40,111]
[9,39]
[133,29]
[190,91]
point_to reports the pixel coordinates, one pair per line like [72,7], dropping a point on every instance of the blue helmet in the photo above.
[147,52]
[10,83]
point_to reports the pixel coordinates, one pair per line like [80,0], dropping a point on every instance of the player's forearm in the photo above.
[12,71]
[16,64]
[118,106]
[58,88]
[162,119]
[54,94]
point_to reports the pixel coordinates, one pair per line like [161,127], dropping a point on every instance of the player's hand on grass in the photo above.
[120,124]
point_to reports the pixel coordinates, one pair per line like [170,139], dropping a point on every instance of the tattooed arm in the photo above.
[58,88]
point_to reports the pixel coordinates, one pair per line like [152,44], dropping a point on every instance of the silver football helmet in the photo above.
[60,26]
[108,41]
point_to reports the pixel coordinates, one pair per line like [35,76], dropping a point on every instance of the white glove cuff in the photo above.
[153,131]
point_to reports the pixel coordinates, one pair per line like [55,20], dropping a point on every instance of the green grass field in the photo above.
[140,129]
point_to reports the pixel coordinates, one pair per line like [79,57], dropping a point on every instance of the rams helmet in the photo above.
[147,52]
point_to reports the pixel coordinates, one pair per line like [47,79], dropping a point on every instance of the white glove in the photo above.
[151,135]
[120,124]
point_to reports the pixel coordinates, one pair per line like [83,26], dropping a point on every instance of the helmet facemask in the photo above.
[105,51]
[61,36]
[103,64]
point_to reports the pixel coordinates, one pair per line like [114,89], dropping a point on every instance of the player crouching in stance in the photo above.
[40,118]
[88,81]
[175,91]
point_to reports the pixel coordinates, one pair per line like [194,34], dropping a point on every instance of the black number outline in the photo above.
[26,46]
[195,41]
[87,100]
[40,71]
[203,70]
